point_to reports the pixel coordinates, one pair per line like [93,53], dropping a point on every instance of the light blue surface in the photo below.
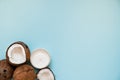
[82,36]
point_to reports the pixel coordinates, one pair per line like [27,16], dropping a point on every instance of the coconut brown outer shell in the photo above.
[24,72]
[27,51]
[6,70]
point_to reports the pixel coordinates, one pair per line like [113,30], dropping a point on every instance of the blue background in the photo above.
[82,36]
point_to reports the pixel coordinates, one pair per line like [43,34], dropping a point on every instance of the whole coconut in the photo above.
[24,72]
[6,70]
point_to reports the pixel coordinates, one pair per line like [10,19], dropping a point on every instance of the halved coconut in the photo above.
[45,74]
[18,53]
[40,58]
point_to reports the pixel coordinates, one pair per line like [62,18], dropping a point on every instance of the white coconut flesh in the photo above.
[16,54]
[45,74]
[40,58]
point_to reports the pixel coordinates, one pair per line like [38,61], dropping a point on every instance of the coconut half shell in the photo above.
[18,53]
[40,58]
[45,74]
